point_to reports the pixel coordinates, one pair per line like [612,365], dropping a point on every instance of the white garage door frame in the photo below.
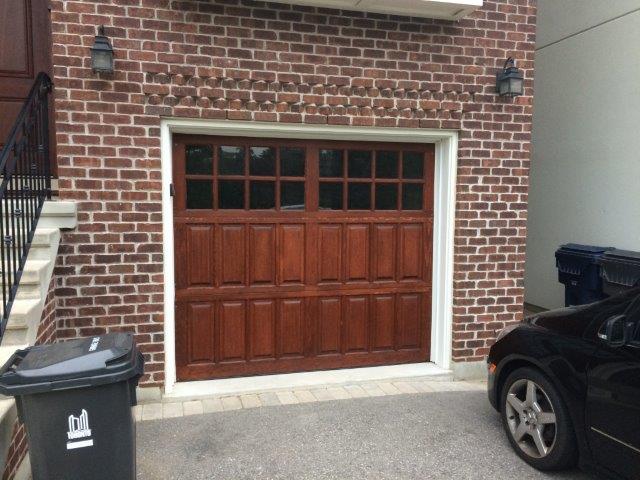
[446,145]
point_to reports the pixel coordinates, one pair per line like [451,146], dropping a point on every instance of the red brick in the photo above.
[235,60]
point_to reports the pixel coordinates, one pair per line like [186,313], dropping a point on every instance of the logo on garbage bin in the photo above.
[79,428]
[94,344]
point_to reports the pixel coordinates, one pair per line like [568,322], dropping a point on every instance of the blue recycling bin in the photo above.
[579,272]
[620,271]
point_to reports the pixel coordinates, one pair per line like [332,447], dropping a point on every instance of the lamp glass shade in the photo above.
[102,60]
[503,87]
[516,86]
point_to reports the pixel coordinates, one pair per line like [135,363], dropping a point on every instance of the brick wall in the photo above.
[253,61]
[46,334]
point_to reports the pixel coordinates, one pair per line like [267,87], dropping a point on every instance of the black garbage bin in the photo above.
[620,271]
[75,401]
[579,271]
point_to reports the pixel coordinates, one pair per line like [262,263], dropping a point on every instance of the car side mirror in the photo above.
[615,331]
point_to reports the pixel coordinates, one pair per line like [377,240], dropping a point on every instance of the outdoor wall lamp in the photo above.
[510,81]
[101,53]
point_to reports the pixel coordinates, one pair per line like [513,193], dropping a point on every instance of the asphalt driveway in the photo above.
[448,435]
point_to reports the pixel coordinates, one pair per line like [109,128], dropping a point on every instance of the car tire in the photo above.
[537,421]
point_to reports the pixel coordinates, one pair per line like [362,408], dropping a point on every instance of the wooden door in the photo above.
[300,255]
[25,51]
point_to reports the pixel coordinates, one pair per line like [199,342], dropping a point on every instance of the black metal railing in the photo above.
[25,174]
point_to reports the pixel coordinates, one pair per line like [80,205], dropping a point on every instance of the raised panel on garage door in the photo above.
[329,253]
[231,252]
[199,255]
[292,327]
[262,329]
[294,255]
[357,253]
[409,320]
[384,322]
[411,251]
[232,335]
[329,321]
[196,332]
[262,258]
[384,252]
[356,324]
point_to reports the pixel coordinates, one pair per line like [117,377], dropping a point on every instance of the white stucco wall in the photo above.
[558,19]
[585,168]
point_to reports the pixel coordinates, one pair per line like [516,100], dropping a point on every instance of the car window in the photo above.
[636,336]
[633,316]
[627,303]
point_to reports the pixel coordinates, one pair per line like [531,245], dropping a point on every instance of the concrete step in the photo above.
[38,252]
[28,291]
[44,244]
[24,313]
[7,350]
[33,269]
[5,353]
[44,248]
[45,237]
[8,416]
[20,312]
[35,272]
[55,214]
[59,214]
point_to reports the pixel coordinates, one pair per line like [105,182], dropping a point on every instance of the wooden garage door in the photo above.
[300,255]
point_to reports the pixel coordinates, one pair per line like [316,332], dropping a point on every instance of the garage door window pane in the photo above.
[262,195]
[292,195]
[292,162]
[359,164]
[412,165]
[231,161]
[386,196]
[330,196]
[331,163]
[359,196]
[230,194]
[387,164]
[199,160]
[412,196]
[262,161]
[199,194]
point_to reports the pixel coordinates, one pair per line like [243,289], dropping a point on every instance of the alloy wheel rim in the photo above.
[531,418]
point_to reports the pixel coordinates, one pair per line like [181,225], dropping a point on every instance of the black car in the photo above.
[567,385]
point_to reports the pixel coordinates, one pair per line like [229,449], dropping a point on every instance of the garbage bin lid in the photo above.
[77,363]
[576,247]
[628,256]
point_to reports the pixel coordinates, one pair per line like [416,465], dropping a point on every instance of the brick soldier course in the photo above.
[267,62]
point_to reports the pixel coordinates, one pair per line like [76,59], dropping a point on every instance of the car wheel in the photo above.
[537,421]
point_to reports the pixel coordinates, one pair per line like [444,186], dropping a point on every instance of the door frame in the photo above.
[445,178]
